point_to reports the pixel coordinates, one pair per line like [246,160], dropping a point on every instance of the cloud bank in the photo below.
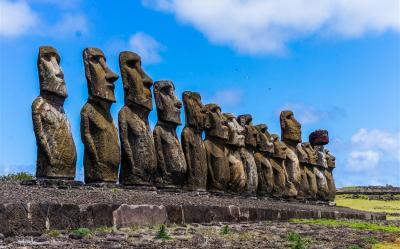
[259,27]
[147,47]
[17,18]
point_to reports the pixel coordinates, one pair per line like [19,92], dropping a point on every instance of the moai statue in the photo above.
[308,178]
[98,132]
[318,139]
[265,148]
[139,160]
[247,153]
[234,144]
[192,142]
[331,162]
[171,164]
[283,187]
[291,136]
[217,153]
[56,152]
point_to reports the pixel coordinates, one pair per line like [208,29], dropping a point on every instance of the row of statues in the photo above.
[218,152]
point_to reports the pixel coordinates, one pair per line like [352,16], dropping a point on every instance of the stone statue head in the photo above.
[290,127]
[217,122]
[279,147]
[195,112]
[51,76]
[330,159]
[236,131]
[168,105]
[311,153]
[99,76]
[264,139]
[302,154]
[319,137]
[251,131]
[137,84]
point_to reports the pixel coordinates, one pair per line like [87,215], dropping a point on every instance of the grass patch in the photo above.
[388,245]
[225,230]
[115,190]
[103,229]
[53,233]
[81,232]
[162,233]
[20,176]
[368,205]
[371,240]
[297,241]
[351,224]
[354,247]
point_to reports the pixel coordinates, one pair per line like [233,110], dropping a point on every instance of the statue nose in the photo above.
[111,76]
[178,104]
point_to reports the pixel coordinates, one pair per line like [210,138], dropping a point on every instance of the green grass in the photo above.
[351,224]
[20,176]
[225,230]
[371,240]
[81,232]
[53,233]
[354,247]
[297,241]
[103,229]
[162,233]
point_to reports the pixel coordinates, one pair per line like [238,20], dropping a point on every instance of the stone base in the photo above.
[36,218]
[54,183]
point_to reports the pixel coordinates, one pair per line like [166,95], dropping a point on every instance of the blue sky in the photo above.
[334,63]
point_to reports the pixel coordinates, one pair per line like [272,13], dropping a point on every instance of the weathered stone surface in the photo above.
[308,179]
[139,160]
[56,152]
[140,215]
[217,153]
[14,219]
[291,136]
[38,215]
[98,133]
[206,214]
[63,216]
[262,158]
[247,153]
[171,163]
[331,162]
[175,214]
[192,143]
[319,137]
[236,140]
[97,215]
[283,186]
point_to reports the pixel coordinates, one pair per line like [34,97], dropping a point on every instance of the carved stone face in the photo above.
[137,83]
[290,127]
[99,77]
[168,105]
[302,154]
[51,76]
[279,147]
[251,131]
[311,153]
[217,123]
[195,112]
[330,159]
[264,139]
[236,131]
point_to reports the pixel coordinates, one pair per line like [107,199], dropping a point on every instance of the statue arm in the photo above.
[186,150]
[123,129]
[38,129]
[87,136]
[159,150]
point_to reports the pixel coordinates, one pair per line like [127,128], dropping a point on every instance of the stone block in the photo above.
[175,214]
[142,215]
[63,216]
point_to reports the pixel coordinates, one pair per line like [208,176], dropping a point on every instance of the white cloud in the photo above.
[308,114]
[369,148]
[363,160]
[16,18]
[266,26]
[227,97]
[147,47]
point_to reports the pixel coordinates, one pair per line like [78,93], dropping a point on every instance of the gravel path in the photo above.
[245,235]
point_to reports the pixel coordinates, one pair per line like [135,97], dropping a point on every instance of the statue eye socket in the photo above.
[131,63]
[95,59]
[47,57]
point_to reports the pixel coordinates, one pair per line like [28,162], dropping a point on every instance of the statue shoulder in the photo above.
[38,103]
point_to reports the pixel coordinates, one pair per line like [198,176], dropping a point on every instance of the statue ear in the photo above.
[157,97]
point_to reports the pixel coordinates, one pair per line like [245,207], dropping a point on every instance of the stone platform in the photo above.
[34,209]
